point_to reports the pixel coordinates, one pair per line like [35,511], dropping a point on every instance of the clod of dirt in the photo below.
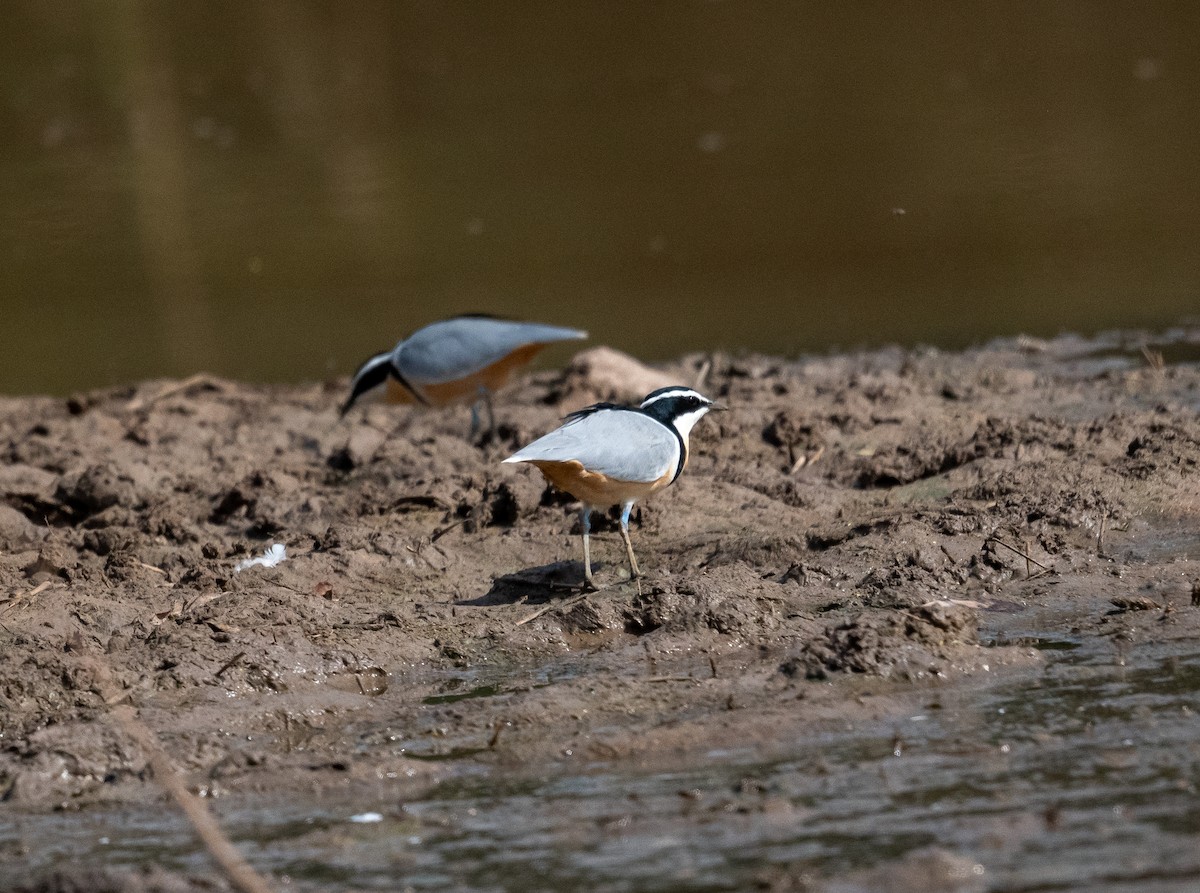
[341,459]
[792,430]
[92,490]
[15,528]
[878,643]
[50,564]
[1125,603]
[647,612]
[364,443]
[497,506]
[756,549]
[502,503]
[606,374]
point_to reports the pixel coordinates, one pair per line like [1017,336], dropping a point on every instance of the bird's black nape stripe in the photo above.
[683,453]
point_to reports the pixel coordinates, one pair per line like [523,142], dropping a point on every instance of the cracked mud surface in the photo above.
[861,537]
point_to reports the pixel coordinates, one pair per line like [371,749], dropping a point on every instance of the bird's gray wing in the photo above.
[455,348]
[619,443]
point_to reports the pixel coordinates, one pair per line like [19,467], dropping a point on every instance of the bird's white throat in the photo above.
[683,423]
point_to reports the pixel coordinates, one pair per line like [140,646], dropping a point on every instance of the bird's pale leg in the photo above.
[491,413]
[634,573]
[484,399]
[585,524]
[474,421]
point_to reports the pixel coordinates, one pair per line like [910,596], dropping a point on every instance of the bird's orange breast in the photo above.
[595,488]
[398,393]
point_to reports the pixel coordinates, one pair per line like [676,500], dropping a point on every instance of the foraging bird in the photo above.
[455,360]
[615,455]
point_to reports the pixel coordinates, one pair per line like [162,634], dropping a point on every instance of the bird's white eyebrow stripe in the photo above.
[373,362]
[678,392]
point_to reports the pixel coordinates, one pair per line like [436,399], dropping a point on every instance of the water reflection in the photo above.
[274,190]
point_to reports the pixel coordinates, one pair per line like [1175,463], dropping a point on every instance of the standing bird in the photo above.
[615,455]
[455,360]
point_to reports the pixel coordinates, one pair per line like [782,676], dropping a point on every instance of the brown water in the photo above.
[273,190]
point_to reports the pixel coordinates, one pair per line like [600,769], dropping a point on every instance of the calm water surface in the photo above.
[272,190]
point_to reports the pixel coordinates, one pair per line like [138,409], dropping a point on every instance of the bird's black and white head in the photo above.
[372,374]
[678,407]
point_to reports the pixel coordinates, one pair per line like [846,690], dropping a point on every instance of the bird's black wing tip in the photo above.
[590,410]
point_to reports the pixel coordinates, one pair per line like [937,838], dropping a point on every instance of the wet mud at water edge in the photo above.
[911,620]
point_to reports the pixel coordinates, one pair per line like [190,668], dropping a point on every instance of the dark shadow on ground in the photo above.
[534,585]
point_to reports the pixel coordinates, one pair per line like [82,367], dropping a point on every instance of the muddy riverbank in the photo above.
[912,620]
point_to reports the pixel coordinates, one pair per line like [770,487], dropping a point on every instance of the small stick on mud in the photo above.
[201,378]
[229,664]
[552,606]
[1100,535]
[702,375]
[27,596]
[712,665]
[795,462]
[438,534]
[995,539]
[274,580]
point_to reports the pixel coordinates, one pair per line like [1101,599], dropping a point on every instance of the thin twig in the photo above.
[27,596]
[140,402]
[552,606]
[229,664]
[38,589]
[438,534]
[995,539]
